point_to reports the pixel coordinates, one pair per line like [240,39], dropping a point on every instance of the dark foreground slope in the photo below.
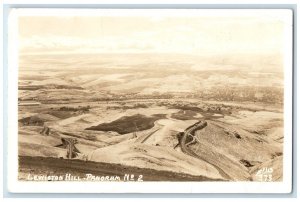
[49,166]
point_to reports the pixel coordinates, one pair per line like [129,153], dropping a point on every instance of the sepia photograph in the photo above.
[152,95]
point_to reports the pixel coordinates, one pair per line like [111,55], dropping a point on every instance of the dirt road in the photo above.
[187,150]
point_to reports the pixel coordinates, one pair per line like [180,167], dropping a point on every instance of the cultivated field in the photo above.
[143,115]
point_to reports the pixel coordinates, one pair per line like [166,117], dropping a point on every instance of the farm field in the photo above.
[137,117]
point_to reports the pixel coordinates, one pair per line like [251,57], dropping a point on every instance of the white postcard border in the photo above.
[16,186]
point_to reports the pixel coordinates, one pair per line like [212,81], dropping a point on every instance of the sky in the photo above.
[198,35]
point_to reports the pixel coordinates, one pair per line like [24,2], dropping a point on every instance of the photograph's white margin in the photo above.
[16,186]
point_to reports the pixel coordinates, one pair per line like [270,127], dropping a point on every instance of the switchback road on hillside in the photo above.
[185,149]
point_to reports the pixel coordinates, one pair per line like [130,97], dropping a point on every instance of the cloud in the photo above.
[157,34]
[76,44]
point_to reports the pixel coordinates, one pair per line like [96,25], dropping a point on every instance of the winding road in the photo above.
[184,146]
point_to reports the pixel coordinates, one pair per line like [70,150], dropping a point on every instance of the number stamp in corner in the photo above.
[264,175]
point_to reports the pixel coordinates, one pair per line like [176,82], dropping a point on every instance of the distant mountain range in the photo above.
[152,73]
